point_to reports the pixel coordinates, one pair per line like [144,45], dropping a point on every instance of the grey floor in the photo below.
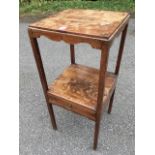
[75,133]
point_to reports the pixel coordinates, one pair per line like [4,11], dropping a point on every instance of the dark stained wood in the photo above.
[77,89]
[119,58]
[68,38]
[80,89]
[118,63]
[101,90]
[111,102]
[72,53]
[92,23]
[37,56]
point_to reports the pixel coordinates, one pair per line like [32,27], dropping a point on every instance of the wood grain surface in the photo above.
[81,89]
[93,23]
[77,89]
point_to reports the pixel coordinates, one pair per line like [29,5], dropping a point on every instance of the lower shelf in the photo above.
[76,89]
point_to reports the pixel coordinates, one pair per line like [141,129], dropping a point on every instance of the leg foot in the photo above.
[111,103]
[96,134]
[50,109]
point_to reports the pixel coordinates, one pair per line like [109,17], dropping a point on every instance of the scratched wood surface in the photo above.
[83,22]
[77,87]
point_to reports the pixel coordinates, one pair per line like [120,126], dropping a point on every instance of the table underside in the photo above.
[76,89]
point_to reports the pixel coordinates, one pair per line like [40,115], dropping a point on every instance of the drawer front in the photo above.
[72,107]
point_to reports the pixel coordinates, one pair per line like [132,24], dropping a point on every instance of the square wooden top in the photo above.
[91,23]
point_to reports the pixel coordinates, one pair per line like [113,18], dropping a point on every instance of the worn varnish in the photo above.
[77,89]
[84,22]
[80,89]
